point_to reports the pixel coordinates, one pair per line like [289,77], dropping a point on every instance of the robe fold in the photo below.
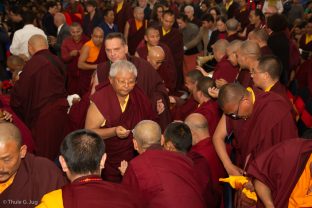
[92,191]
[39,99]
[225,70]
[135,36]
[266,51]
[35,177]
[206,149]
[149,81]
[271,122]
[244,78]
[123,15]
[165,179]
[212,113]
[182,111]
[138,108]
[280,167]
[73,72]
[174,41]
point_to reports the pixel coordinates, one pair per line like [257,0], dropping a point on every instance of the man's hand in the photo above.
[213,92]
[123,167]
[220,83]
[241,200]
[160,106]
[233,170]
[202,71]
[121,132]
[74,53]
[6,116]
[52,40]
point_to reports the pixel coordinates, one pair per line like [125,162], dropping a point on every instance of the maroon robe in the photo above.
[73,72]
[212,113]
[174,41]
[225,70]
[25,132]
[181,112]
[39,99]
[149,81]
[244,78]
[167,70]
[92,191]
[233,37]
[265,51]
[303,45]
[123,15]
[166,179]
[135,36]
[138,108]
[207,150]
[280,168]
[243,18]
[271,122]
[35,177]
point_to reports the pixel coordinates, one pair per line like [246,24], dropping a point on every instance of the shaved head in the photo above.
[231,94]
[59,18]
[219,49]
[156,56]
[9,131]
[259,34]
[15,63]
[249,48]
[197,122]
[147,133]
[271,65]
[156,51]
[37,43]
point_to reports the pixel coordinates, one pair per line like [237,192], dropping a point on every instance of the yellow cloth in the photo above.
[308,39]
[5,185]
[269,88]
[53,199]
[164,31]
[93,52]
[299,197]
[237,182]
[252,94]
[138,24]
[123,107]
[119,6]
[228,4]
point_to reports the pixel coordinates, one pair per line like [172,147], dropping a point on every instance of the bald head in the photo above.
[250,49]
[260,36]
[231,94]
[59,19]
[37,43]
[156,56]
[147,133]
[198,125]
[232,25]
[15,63]
[9,131]
[234,46]
[219,49]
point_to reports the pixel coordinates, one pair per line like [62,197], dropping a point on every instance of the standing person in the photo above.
[75,11]
[114,118]
[48,25]
[62,32]
[108,26]
[40,91]
[70,52]
[84,172]
[173,38]
[123,12]
[92,19]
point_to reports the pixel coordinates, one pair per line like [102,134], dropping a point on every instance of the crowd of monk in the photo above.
[181,103]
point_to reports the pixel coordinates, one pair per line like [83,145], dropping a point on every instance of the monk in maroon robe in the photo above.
[163,177]
[202,144]
[39,98]
[148,79]
[25,178]
[86,185]
[70,51]
[279,169]
[173,39]
[123,12]
[244,78]
[255,129]
[115,117]
[135,29]
[224,69]
[207,106]
[260,36]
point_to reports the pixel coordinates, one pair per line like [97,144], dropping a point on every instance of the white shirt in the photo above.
[59,28]
[20,39]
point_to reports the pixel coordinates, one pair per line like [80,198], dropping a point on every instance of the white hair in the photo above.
[122,65]
[189,8]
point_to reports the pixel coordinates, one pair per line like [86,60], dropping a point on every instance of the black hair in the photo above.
[180,135]
[28,17]
[207,17]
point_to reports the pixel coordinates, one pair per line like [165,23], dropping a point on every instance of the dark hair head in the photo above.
[28,17]
[271,65]
[83,150]
[154,11]
[277,22]
[183,17]
[207,17]
[231,93]
[117,35]
[107,10]
[50,4]
[259,13]
[168,12]
[180,135]
[203,84]
[221,18]
[216,9]
[194,75]
[91,3]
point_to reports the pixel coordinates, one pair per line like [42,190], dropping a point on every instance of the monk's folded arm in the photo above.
[264,193]
[82,61]
[94,121]
[219,144]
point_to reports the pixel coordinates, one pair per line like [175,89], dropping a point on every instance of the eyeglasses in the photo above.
[235,115]
[125,82]
[253,71]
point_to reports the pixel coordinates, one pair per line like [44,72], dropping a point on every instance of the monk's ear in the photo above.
[162,140]
[102,162]
[126,49]
[145,37]
[23,151]
[135,145]
[63,163]
[110,80]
